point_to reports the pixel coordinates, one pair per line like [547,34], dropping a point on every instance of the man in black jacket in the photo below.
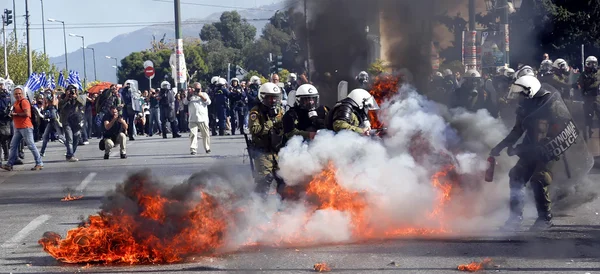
[167,110]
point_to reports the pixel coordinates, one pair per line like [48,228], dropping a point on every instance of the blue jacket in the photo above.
[221,95]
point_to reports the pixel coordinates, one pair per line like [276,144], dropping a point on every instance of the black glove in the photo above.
[497,149]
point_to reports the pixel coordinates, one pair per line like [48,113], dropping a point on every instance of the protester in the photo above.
[197,102]
[21,116]
[114,134]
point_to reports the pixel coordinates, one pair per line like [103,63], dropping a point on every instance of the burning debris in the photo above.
[321,267]
[476,266]
[384,87]
[141,222]
[70,198]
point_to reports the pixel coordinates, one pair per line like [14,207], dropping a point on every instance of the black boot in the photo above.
[543,222]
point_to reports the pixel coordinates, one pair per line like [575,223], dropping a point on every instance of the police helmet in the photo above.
[363,76]
[561,64]
[2,81]
[510,73]
[214,80]
[527,85]
[591,62]
[439,74]
[525,70]
[234,79]
[307,96]
[292,77]
[363,99]
[448,72]
[546,65]
[269,94]
[222,82]
[165,85]
[255,80]
[472,73]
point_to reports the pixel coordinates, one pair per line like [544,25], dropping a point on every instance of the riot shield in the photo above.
[342,90]
[564,142]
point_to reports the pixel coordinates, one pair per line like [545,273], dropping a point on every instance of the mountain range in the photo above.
[124,44]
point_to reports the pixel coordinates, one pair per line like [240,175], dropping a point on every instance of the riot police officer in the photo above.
[166,102]
[559,77]
[588,82]
[238,100]
[253,88]
[352,113]
[221,97]
[266,128]
[473,96]
[305,116]
[541,116]
[292,83]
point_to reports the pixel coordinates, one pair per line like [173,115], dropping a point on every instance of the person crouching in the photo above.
[115,128]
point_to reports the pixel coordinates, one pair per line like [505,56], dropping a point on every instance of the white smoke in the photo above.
[393,176]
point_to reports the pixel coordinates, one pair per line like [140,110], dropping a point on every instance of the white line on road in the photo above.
[15,240]
[86,181]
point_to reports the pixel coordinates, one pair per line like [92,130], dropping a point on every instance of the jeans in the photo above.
[154,121]
[51,126]
[20,134]
[72,140]
[129,117]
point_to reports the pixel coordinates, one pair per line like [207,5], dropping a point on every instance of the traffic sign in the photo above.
[149,72]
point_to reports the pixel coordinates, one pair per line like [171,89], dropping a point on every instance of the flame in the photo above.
[475,266]
[384,87]
[119,236]
[322,267]
[70,198]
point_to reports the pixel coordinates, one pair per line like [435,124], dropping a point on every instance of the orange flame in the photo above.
[384,88]
[474,266]
[70,198]
[117,236]
[322,267]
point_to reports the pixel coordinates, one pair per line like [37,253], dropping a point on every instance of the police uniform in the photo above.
[541,119]
[559,81]
[167,113]
[589,81]
[297,123]
[221,96]
[346,116]
[267,138]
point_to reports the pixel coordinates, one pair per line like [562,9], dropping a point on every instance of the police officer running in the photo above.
[221,96]
[589,82]
[305,116]
[266,128]
[352,113]
[541,116]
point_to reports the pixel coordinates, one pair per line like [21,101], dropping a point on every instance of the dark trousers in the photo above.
[238,117]
[168,115]
[222,116]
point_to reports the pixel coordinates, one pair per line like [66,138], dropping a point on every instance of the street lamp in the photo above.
[83,46]
[94,54]
[116,66]
[43,26]
[65,39]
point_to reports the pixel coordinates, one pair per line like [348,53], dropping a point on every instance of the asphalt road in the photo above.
[30,205]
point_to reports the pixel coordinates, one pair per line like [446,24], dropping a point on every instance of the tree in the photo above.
[17,62]
[231,30]
[378,67]
[218,56]
[255,73]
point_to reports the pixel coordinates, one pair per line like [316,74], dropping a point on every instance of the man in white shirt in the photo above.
[198,102]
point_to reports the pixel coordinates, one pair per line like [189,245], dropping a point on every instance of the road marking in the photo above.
[86,181]
[16,240]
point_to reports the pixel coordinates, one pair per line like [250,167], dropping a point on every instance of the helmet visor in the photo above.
[308,102]
[371,104]
[272,100]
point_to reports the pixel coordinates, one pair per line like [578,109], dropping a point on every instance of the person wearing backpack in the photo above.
[53,125]
[21,116]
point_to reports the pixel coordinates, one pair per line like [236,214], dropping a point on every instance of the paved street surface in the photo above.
[30,205]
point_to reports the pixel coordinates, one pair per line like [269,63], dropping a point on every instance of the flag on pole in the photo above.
[52,83]
[30,80]
[43,81]
[61,80]
[78,80]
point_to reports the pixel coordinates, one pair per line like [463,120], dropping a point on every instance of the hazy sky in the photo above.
[110,17]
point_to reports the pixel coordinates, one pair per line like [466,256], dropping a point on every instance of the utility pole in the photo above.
[505,25]
[179,46]
[307,42]
[43,26]
[4,44]
[471,15]
[29,65]
[15,26]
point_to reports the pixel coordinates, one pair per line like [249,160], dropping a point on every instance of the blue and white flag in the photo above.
[61,80]
[30,80]
[43,81]
[78,80]
[52,83]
